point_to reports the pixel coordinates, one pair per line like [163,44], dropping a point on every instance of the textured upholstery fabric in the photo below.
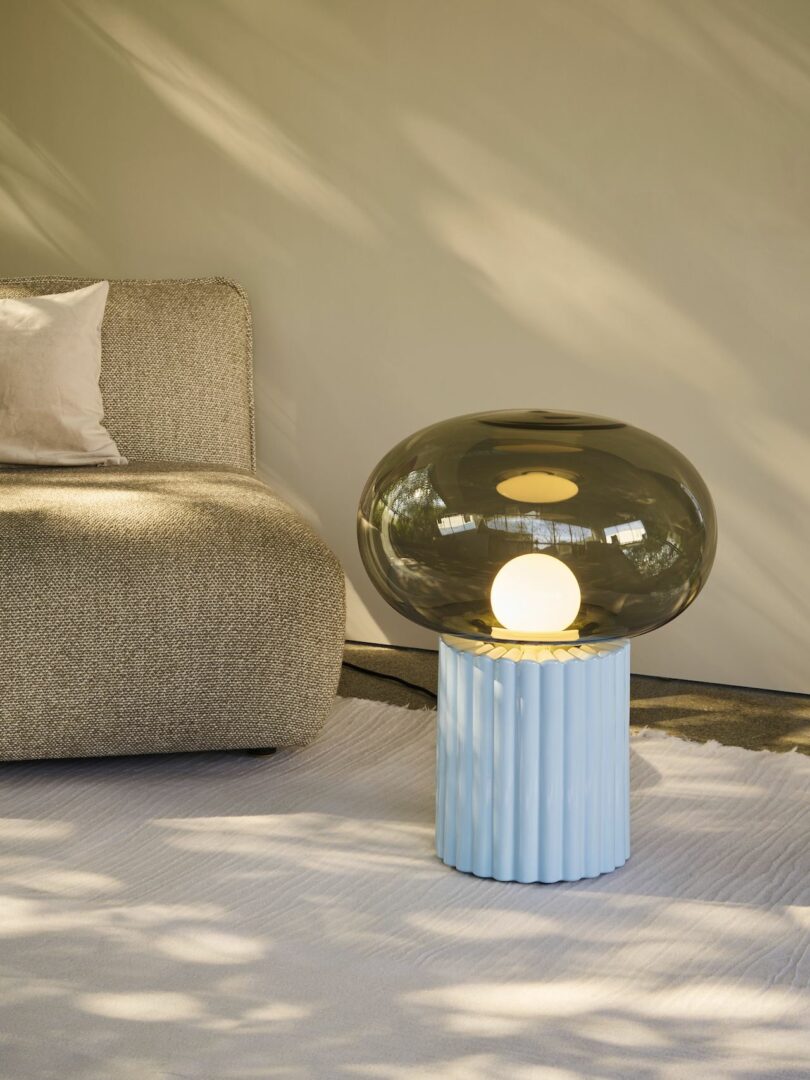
[176,367]
[174,605]
[150,608]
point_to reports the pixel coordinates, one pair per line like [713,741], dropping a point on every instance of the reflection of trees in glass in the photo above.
[540,531]
[433,552]
[411,504]
[434,529]
[422,551]
[651,559]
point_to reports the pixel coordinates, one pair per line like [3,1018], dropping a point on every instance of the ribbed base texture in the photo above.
[532,773]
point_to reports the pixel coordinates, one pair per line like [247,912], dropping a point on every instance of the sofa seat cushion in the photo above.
[194,584]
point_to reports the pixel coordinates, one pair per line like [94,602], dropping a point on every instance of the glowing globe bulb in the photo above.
[535,594]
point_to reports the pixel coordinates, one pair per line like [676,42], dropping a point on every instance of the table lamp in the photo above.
[536,544]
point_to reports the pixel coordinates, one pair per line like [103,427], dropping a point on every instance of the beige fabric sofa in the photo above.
[175,603]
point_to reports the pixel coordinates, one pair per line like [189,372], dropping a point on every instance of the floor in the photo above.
[731,715]
[287,918]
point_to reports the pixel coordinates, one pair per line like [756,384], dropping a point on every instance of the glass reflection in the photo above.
[628,532]
[449,507]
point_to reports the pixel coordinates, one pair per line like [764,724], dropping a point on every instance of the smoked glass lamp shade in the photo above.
[624,520]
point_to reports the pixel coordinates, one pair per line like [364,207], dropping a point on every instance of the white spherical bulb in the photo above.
[535,594]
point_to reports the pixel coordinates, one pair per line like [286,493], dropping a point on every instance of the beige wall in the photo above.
[439,206]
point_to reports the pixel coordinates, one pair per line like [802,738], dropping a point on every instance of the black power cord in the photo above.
[391,678]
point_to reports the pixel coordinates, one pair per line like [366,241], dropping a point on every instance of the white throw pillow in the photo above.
[51,410]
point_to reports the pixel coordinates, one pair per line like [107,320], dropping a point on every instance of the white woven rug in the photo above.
[234,918]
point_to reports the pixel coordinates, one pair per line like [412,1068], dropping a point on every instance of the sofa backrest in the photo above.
[176,367]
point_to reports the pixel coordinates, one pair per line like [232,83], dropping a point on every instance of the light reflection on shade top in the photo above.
[537,487]
[453,504]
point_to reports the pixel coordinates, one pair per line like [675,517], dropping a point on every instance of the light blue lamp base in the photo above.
[532,769]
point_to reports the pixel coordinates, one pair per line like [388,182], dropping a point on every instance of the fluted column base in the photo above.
[532,769]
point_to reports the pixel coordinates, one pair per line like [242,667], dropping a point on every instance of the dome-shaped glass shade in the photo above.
[451,507]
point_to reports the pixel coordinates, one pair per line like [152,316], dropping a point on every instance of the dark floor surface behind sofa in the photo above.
[755,719]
